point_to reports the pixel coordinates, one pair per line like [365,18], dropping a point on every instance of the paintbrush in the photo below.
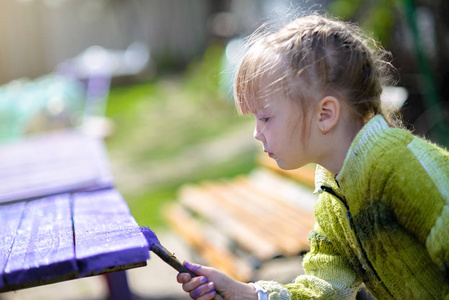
[167,256]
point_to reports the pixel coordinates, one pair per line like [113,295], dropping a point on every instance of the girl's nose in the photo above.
[258,134]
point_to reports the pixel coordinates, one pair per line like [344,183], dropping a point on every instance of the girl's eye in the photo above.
[264,119]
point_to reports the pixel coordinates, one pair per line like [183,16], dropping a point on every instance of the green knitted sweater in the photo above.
[383,221]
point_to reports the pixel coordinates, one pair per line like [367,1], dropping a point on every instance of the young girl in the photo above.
[382,215]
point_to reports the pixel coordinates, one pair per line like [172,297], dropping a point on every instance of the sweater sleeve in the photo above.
[420,203]
[434,162]
[328,275]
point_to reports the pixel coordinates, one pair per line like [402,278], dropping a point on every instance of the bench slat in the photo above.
[100,243]
[287,209]
[43,246]
[247,220]
[230,224]
[289,226]
[283,188]
[247,214]
[51,164]
[192,232]
[10,216]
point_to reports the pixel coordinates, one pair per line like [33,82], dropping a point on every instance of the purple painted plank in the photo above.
[10,216]
[106,234]
[50,164]
[44,246]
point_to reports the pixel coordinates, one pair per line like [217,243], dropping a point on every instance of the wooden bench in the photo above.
[237,225]
[61,217]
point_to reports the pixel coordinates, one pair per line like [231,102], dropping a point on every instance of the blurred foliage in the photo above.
[404,27]
[45,103]
[377,16]
[180,106]
[158,121]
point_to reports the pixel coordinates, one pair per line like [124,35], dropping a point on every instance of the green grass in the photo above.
[158,122]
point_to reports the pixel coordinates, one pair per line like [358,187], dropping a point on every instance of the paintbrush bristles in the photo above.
[150,236]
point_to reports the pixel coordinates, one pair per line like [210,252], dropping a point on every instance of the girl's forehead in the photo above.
[261,105]
[267,94]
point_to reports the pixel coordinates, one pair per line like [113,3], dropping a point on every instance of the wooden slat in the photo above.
[43,247]
[51,164]
[284,188]
[283,224]
[293,215]
[10,216]
[258,217]
[260,223]
[205,204]
[194,234]
[253,218]
[106,234]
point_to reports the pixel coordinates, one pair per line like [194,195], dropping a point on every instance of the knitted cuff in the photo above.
[261,294]
[274,290]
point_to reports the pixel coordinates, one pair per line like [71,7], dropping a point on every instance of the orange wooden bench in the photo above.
[239,224]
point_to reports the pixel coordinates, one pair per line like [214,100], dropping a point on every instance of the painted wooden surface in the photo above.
[105,232]
[50,231]
[63,161]
[10,216]
[67,236]
[43,243]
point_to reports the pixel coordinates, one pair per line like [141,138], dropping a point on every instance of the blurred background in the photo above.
[153,78]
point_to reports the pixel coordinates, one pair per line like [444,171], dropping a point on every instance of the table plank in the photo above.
[50,230]
[106,234]
[44,247]
[52,163]
[10,216]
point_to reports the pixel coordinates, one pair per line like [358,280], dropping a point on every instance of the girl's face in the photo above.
[279,127]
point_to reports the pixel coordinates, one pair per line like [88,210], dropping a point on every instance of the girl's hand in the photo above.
[210,281]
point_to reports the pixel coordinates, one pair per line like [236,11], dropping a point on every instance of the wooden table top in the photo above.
[60,216]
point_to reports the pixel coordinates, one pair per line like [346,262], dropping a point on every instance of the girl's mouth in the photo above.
[269,153]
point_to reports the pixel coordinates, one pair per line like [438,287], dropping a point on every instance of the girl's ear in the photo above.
[328,113]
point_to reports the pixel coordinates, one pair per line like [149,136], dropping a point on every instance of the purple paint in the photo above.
[43,244]
[10,216]
[51,164]
[162,252]
[106,234]
[150,236]
[169,258]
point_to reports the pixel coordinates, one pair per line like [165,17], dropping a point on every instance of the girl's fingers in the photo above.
[192,267]
[194,283]
[208,296]
[203,292]
[201,287]
[183,277]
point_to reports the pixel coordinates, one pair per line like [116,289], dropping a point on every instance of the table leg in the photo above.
[118,286]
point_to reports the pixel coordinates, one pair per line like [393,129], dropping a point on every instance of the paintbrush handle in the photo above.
[171,259]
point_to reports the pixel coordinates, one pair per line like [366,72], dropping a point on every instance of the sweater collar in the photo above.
[362,142]
[323,177]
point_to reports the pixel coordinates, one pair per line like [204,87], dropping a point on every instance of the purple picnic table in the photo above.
[60,215]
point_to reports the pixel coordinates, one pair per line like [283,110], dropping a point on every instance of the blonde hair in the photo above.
[312,57]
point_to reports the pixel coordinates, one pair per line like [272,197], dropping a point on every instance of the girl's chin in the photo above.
[283,165]
[286,166]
